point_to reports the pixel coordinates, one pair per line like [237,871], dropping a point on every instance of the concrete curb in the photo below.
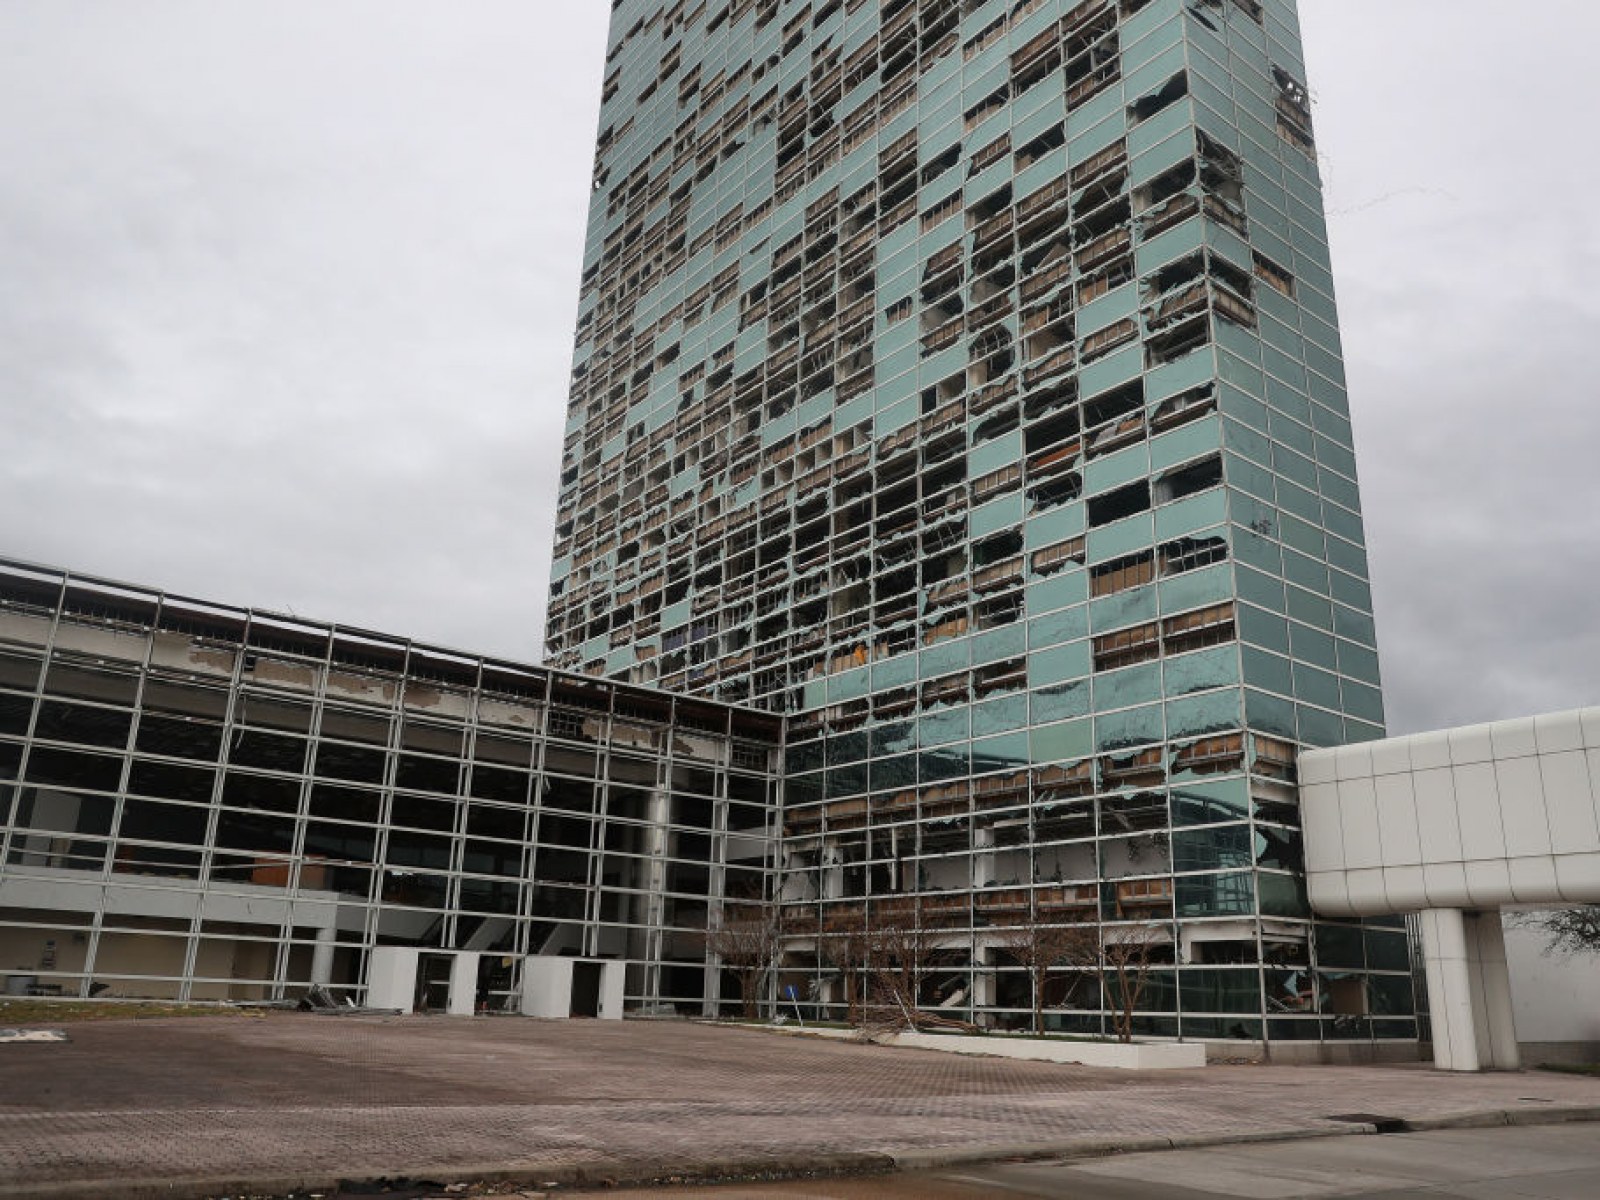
[605,1174]
[597,1173]
[1553,1114]
[932,1160]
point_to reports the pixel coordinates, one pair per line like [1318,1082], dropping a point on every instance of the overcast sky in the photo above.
[287,294]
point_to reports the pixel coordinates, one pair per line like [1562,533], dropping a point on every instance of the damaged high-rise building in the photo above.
[962,380]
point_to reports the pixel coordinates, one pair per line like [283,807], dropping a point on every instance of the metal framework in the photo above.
[206,802]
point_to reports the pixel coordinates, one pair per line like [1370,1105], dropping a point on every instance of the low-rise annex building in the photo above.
[206,802]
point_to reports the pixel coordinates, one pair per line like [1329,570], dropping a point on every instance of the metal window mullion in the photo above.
[8,829]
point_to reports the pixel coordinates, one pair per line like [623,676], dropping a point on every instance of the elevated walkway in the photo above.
[1456,825]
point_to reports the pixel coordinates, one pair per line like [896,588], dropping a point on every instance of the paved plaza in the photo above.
[284,1101]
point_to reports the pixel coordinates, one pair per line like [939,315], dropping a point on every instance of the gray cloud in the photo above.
[286,300]
[287,291]
[1466,255]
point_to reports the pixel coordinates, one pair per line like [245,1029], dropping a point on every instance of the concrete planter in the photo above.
[1133,1056]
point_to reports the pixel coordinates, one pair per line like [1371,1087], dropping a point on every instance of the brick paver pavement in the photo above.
[292,1096]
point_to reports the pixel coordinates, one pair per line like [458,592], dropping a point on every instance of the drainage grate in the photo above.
[394,1189]
[1379,1124]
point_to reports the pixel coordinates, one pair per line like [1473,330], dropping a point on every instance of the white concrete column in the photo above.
[463,983]
[657,845]
[711,987]
[983,981]
[983,857]
[392,977]
[547,987]
[1496,1025]
[1444,945]
[832,872]
[322,956]
[613,976]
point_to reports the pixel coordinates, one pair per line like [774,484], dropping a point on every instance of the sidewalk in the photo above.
[195,1108]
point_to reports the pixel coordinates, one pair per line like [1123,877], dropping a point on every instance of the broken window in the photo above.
[1122,502]
[1036,60]
[999,678]
[1167,94]
[1049,559]
[1178,341]
[1121,574]
[1210,755]
[1189,479]
[1274,276]
[1125,647]
[1098,345]
[1199,630]
[1032,151]
[1056,489]
[1293,106]
[1183,408]
[996,483]
[1188,554]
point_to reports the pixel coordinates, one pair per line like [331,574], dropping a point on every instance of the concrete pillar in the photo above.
[645,945]
[982,857]
[1469,991]
[463,983]
[711,987]
[547,987]
[392,977]
[983,981]
[322,956]
[1444,944]
[613,976]
[832,872]
[1496,1026]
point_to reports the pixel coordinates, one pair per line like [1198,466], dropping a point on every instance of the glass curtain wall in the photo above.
[963,379]
[208,803]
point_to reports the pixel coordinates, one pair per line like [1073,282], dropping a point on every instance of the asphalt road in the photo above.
[1551,1162]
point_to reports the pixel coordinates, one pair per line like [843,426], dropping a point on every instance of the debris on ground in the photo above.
[319,999]
[33,1011]
[401,1188]
[32,1035]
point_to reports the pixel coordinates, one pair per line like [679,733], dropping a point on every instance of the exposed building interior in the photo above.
[201,802]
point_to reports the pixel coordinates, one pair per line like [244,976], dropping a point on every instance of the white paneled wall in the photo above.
[1456,825]
[1472,818]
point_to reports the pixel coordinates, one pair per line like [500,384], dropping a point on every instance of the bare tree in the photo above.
[1041,948]
[843,947]
[1125,960]
[1568,930]
[898,950]
[746,937]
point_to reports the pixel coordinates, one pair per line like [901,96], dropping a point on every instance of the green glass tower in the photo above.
[962,379]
